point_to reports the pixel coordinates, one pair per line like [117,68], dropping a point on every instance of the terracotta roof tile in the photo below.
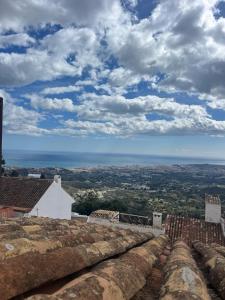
[183,279]
[215,266]
[22,192]
[191,229]
[53,249]
[41,258]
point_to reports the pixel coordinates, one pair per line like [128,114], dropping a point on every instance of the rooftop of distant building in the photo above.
[192,229]
[22,192]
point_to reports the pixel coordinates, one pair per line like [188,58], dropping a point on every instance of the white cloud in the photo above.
[61,89]
[64,104]
[122,77]
[184,42]
[180,47]
[87,127]
[80,42]
[110,115]
[17,39]
[131,3]
[85,82]
[66,53]
[217,104]
[21,69]
[18,120]
[24,13]
[126,127]
[98,106]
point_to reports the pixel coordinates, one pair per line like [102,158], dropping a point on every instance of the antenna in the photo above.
[1,125]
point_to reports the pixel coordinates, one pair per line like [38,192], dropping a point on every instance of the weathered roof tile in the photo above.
[42,257]
[61,259]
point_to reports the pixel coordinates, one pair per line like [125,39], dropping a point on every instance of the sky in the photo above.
[123,76]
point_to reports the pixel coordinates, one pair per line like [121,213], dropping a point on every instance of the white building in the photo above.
[36,197]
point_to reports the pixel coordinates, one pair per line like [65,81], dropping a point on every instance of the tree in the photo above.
[2,170]
[14,173]
[116,205]
[87,203]
[90,202]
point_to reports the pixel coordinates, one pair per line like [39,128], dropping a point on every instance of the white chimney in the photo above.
[57,179]
[212,209]
[157,220]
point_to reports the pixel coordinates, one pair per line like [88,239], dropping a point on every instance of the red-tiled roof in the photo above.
[37,251]
[104,263]
[22,192]
[190,229]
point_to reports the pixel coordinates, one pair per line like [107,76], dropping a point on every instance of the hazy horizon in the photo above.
[70,160]
[112,153]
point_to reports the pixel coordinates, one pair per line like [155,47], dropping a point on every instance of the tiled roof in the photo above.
[215,264]
[191,229]
[22,192]
[34,251]
[42,259]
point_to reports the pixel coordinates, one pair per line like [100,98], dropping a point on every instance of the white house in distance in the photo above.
[35,197]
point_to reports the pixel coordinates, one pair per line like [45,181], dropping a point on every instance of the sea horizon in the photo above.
[69,160]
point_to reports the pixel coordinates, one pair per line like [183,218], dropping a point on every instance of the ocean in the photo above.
[41,159]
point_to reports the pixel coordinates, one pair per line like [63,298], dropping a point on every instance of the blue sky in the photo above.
[131,76]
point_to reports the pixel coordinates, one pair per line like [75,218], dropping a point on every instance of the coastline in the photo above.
[76,160]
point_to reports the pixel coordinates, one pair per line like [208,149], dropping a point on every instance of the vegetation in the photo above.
[177,189]
[90,202]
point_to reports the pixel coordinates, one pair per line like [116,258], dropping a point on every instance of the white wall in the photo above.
[212,213]
[55,203]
